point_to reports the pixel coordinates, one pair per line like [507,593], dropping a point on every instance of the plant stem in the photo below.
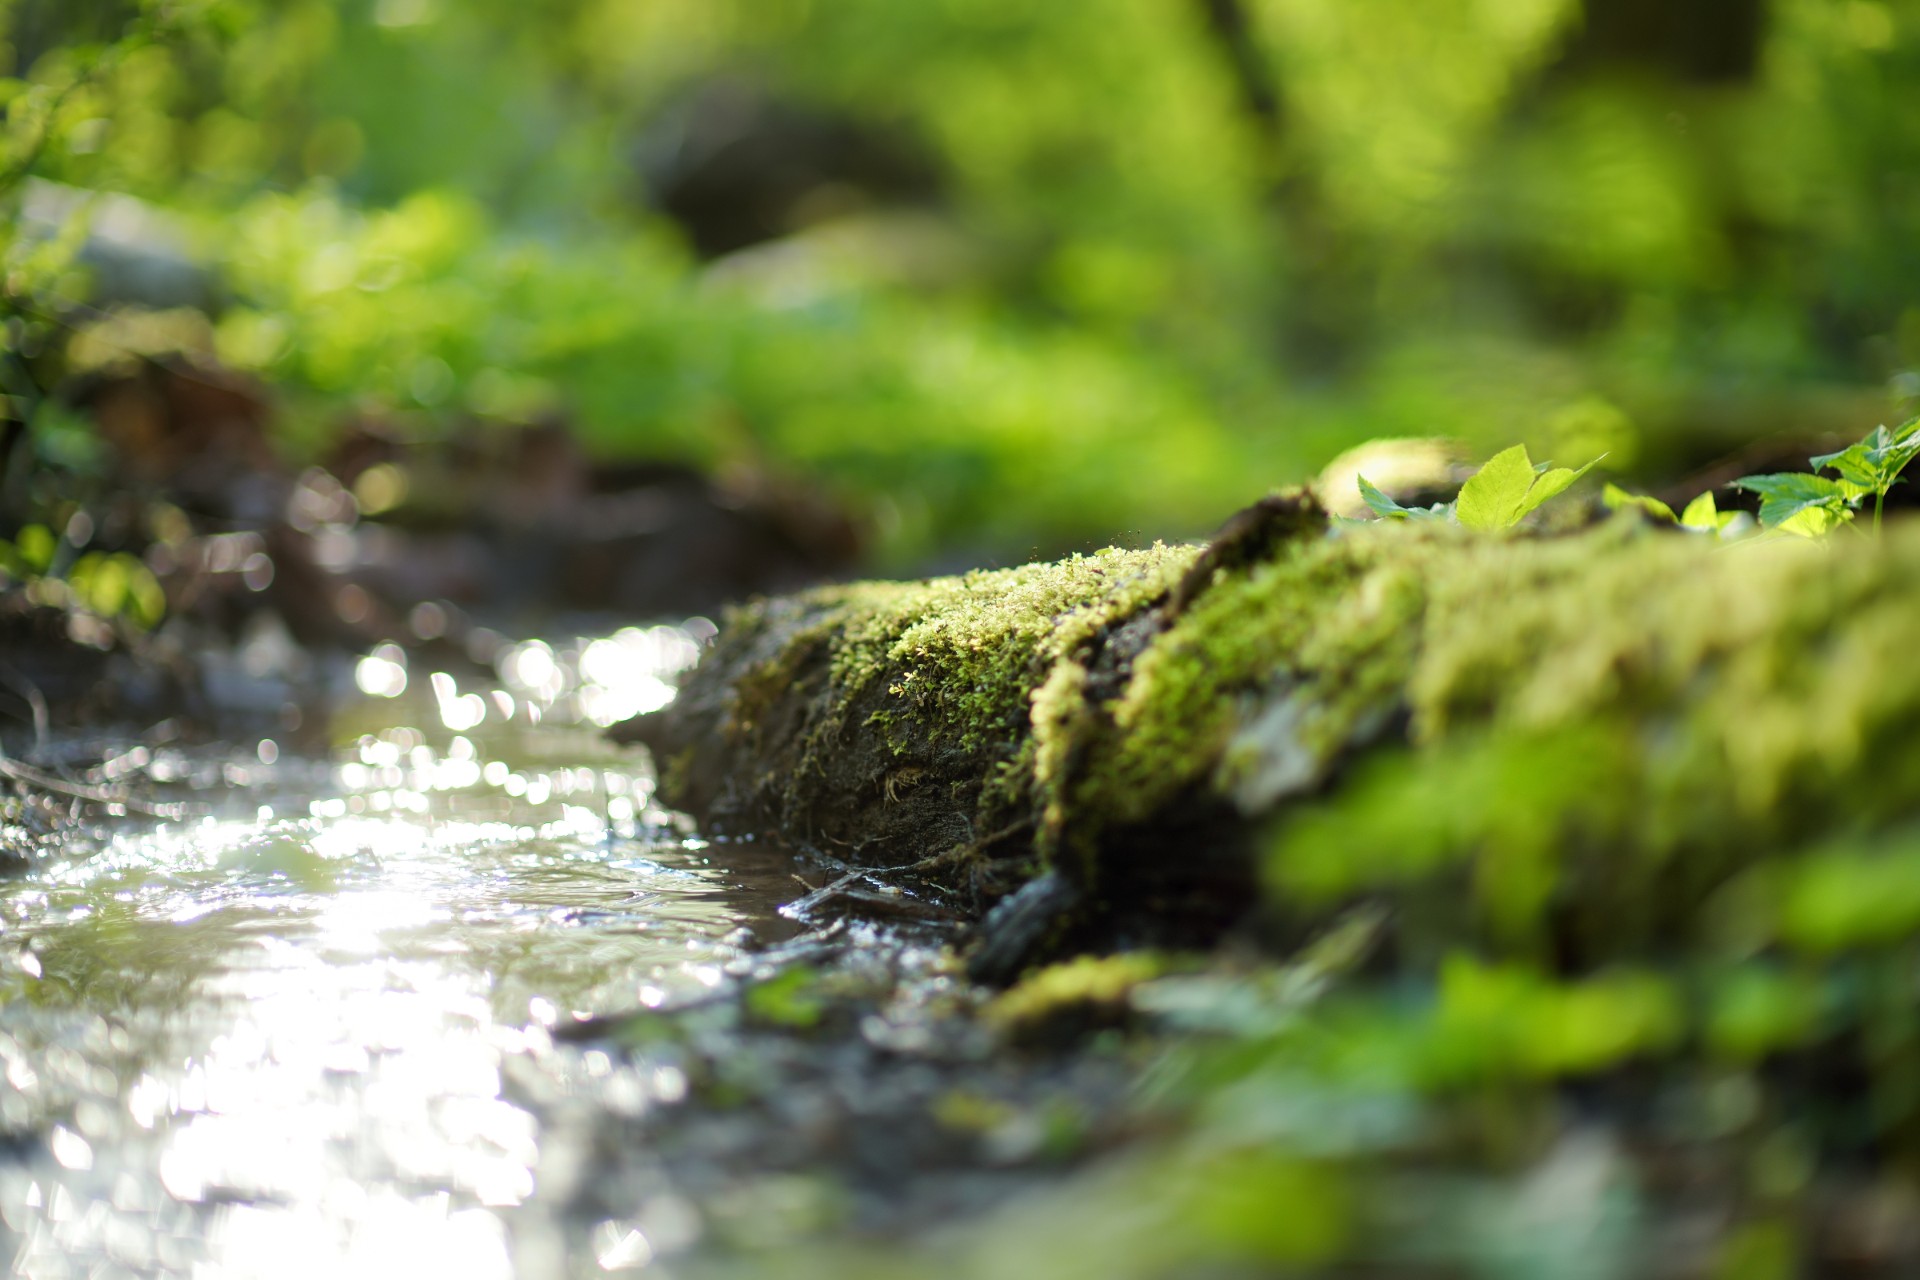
[1879,496]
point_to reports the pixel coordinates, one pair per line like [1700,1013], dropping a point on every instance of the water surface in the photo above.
[277,1037]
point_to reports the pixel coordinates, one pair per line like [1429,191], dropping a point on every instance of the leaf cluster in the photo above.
[1811,504]
[106,584]
[1508,489]
[1702,515]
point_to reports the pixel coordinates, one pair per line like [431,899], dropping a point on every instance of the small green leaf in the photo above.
[1815,522]
[1615,498]
[35,544]
[1379,503]
[101,582]
[146,602]
[1387,509]
[1856,465]
[1703,513]
[1491,498]
[1552,484]
[1787,498]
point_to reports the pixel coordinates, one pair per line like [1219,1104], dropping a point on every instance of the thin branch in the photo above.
[33,777]
[36,704]
[1259,95]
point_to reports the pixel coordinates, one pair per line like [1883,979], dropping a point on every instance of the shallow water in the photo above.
[279,1037]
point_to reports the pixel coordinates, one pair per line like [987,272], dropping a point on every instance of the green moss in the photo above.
[1085,985]
[928,681]
[1608,726]
[1257,687]
[962,654]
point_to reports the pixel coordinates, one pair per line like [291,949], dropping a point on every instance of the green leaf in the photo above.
[1491,498]
[1510,487]
[1705,515]
[1815,522]
[1379,503]
[1552,484]
[1856,466]
[1387,509]
[1859,473]
[101,582]
[35,545]
[1799,503]
[1875,462]
[1615,498]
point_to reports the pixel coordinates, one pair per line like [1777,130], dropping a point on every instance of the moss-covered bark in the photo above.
[1554,747]
[890,723]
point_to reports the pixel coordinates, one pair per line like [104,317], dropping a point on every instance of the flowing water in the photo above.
[292,1032]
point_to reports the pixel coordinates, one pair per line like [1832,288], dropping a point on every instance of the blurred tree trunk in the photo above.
[1700,42]
[1323,325]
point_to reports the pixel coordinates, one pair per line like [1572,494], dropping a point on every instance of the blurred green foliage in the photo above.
[106,584]
[1169,253]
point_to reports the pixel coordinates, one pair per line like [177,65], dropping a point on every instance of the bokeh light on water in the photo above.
[278,1039]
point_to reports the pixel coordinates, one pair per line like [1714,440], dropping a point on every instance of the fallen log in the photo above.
[1556,747]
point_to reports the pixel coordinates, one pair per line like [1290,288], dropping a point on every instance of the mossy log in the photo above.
[1561,747]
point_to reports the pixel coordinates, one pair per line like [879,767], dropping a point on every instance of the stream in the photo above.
[316,1023]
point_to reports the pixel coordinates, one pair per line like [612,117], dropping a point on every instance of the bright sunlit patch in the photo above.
[70,1149]
[382,673]
[603,705]
[458,711]
[627,674]
[619,1247]
[533,670]
[369,837]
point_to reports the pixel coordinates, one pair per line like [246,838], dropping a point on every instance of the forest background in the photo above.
[1006,279]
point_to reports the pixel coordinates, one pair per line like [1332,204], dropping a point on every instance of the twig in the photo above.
[81,791]
[36,704]
[801,907]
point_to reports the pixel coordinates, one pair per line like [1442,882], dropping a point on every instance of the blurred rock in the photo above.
[134,253]
[522,521]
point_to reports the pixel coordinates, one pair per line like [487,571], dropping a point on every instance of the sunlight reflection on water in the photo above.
[273,1045]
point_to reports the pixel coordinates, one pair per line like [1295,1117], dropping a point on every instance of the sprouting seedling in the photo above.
[1701,515]
[1387,509]
[1509,488]
[1810,504]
